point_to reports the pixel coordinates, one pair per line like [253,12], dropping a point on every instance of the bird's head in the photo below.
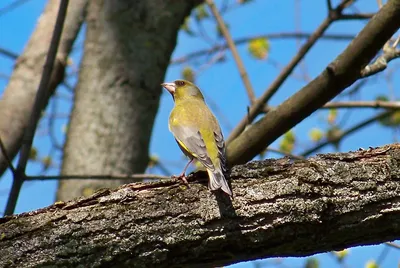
[182,89]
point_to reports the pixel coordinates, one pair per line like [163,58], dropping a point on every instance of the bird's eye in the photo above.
[180,83]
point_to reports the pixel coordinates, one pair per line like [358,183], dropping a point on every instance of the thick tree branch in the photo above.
[340,74]
[334,200]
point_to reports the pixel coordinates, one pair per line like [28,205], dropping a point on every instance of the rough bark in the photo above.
[127,50]
[19,95]
[281,208]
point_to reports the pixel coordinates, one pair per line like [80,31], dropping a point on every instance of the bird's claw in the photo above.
[181,177]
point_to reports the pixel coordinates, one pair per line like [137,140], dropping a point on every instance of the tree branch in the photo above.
[40,102]
[349,131]
[256,108]
[340,74]
[363,104]
[335,200]
[245,40]
[235,53]
[18,97]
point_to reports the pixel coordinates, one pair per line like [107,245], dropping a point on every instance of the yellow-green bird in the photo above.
[197,132]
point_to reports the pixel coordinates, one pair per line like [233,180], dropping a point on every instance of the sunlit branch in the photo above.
[259,104]
[245,40]
[139,177]
[36,110]
[363,104]
[235,53]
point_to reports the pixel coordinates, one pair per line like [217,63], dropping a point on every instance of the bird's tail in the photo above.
[217,181]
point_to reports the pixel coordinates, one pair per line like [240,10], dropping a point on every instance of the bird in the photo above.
[198,133]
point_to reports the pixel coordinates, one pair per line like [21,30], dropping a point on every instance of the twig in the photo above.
[5,154]
[12,6]
[245,40]
[235,53]
[363,104]
[380,64]
[8,53]
[36,110]
[358,16]
[259,104]
[98,177]
[347,132]
[329,4]
[285,153]
[393,245]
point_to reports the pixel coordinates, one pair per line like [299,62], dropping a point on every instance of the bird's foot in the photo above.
[181,177]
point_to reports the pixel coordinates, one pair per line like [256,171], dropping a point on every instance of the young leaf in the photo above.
[259,48]
[188,74]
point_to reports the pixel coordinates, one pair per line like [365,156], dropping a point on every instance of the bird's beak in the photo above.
[170,87]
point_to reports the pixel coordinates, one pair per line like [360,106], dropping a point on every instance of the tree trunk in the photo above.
[280,208]
[19,95]
[127,50]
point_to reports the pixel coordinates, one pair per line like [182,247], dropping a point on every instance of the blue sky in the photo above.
[223,89]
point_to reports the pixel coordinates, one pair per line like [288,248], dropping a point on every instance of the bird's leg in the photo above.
[182,176]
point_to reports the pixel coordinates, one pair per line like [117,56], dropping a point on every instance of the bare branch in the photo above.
[329,5]
[12,6]
[347,132]
[359,16]
[257,107]
[138,177]
[245,40]
[38,106]
[389,53]
[363,104]
[8,53]
[235,53]
[19,95]
[8,159]
[340,74]
[393,245]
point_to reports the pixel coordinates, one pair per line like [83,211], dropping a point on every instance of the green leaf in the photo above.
[287,142]
[316,134]
[186,28]
[312,263]
[332,116]
[153,161]
[382,98]
[392,120]
[201,12]
[333,135]
[259,48]
[289,136]
[33,153]
[371,264]
[47,161]
[340,255]
[188,74]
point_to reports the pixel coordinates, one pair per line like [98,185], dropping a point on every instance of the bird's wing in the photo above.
[219,139]
[191,140]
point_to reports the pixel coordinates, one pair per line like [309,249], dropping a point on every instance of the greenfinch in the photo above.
[197,132]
